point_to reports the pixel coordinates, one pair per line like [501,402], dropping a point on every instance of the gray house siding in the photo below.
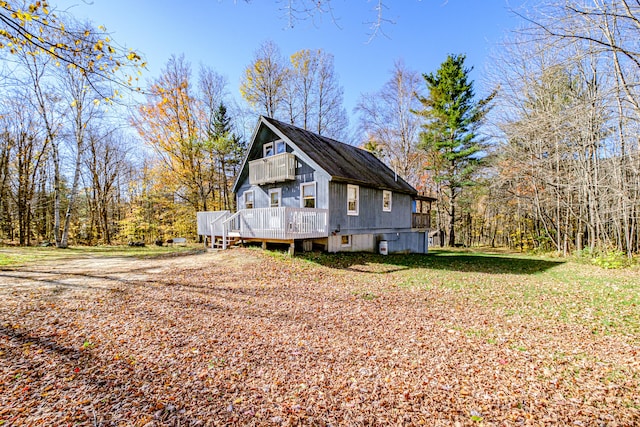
[290,189]
[371,218]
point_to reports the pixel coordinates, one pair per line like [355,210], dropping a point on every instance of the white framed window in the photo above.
[248,199]
[386,200]
[353,199]
[272,148]
[345,241]
[275,197]
[308,195]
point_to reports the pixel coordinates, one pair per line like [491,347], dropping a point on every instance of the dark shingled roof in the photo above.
[343,162]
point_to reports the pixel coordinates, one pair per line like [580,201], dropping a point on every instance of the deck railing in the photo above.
[281,167]
[210,223]
[420,220]
[277,223]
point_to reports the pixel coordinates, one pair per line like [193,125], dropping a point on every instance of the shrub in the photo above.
[609,259]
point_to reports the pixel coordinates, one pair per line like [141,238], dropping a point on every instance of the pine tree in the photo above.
[450,132]
[228,151]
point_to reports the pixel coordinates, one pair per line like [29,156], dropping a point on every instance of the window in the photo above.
[386,201]
[352,199]
[345,240]
[274,197]
[268,149]
[248,199]
[273,148]
[308,194]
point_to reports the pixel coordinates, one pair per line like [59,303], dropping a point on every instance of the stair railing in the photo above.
[215,226]
[227,225]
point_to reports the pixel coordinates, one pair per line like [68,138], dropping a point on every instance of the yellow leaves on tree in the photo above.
[262,85]
[35,30]
[169,122]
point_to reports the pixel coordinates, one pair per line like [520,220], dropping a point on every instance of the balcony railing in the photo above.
[420,220]
[281,167]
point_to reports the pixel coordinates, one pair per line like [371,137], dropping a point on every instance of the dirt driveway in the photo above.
[95,272]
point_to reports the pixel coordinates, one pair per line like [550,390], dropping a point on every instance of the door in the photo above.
[275,200]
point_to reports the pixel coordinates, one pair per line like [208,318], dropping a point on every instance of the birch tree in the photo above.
[83,108]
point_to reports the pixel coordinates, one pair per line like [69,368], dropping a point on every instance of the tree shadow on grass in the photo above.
[475,262]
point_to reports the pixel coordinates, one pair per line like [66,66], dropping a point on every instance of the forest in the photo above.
[549,161]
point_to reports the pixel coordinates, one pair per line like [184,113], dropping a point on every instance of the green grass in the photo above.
[512,284]
[22,256]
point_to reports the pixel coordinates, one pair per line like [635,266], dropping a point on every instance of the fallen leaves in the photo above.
[262,341]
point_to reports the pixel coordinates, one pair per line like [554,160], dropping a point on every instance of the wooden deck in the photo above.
[267,224]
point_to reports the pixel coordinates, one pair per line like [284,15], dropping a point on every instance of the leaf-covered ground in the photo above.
[246,337]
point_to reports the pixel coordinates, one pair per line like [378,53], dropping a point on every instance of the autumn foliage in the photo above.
[245,337]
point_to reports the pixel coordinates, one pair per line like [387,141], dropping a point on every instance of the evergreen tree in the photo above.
[227,149]
[450,132]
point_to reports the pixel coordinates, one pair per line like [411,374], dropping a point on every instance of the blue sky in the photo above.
[224,34]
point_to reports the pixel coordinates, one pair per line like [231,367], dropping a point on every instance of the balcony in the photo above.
[281,167]
[421,220]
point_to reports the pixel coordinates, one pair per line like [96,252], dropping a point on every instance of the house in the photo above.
[306,190]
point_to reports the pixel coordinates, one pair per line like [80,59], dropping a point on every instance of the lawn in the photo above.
[249,337]
[16,256]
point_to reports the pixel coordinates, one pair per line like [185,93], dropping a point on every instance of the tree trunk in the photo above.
[452,220]
[64,240]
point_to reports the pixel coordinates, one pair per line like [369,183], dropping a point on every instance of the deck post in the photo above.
[264,245]
[292,248]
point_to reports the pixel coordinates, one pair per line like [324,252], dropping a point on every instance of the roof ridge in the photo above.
[299,129]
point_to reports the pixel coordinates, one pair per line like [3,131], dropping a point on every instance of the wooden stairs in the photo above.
[232,241]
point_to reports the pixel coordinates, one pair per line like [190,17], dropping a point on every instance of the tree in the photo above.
[450,132]
[105,161]
[83,109]
[228,151]
[169,123]
[303,75]
[608,26]
[300,10]
[263,82]
[332,118]
[389,125]
[598,40]
[568,173]
[221,143]
[64,101]
[6,152]
[314,96]
[305,92]
[23,161]
[40,77]
[33,27]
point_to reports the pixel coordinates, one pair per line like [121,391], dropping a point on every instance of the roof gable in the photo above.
[340,161]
